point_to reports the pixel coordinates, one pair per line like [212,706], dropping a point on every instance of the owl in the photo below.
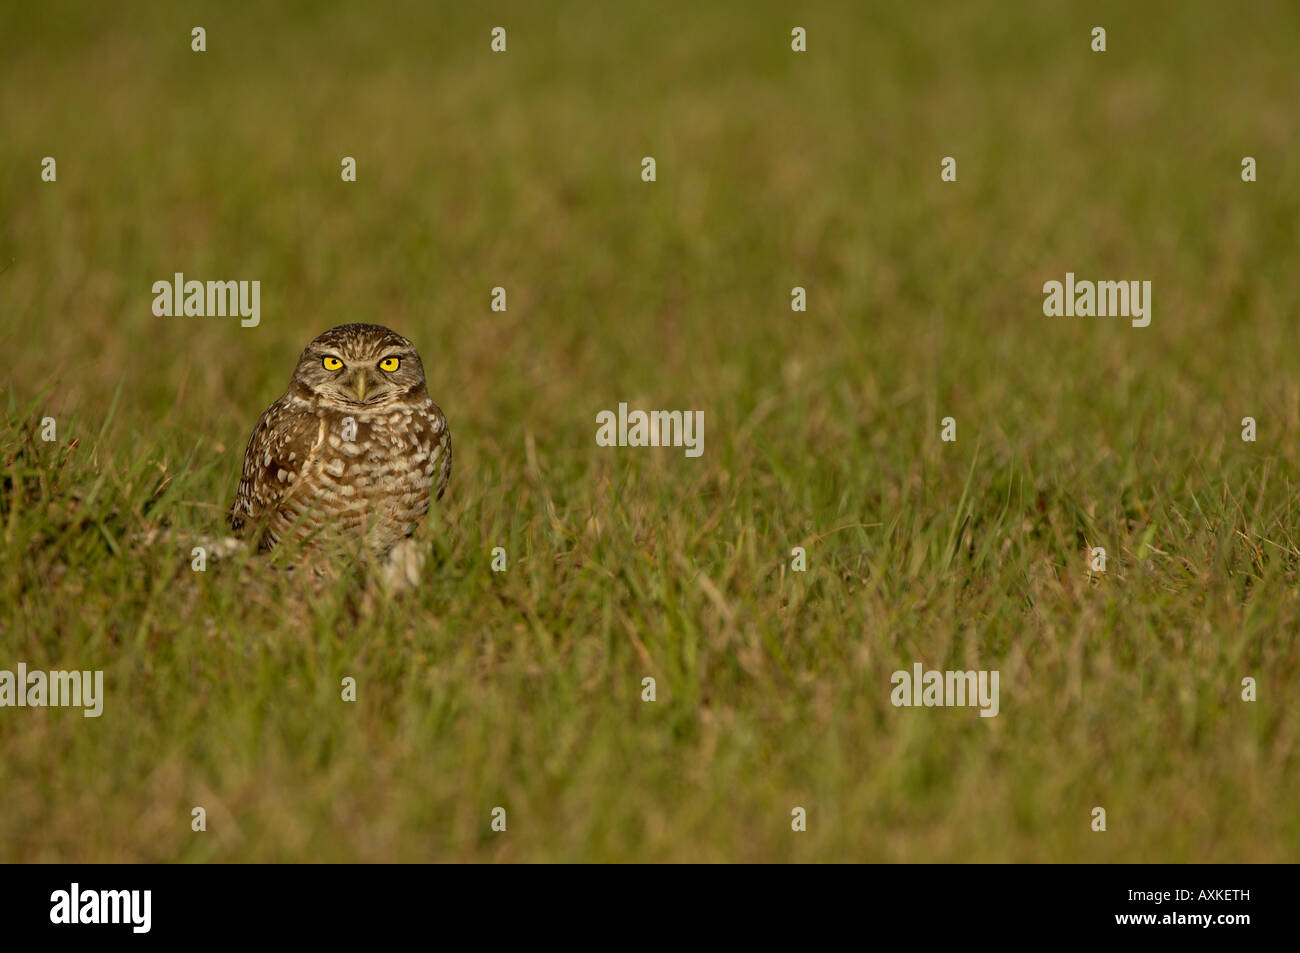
[353,450]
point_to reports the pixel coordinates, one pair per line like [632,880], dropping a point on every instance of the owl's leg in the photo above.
[403,566]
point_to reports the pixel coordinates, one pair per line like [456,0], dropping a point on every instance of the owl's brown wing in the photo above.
[443,436]
[283,445]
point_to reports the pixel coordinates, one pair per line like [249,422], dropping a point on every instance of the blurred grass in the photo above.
[821,429]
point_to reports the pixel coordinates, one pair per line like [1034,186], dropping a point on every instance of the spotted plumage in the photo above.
[353,450]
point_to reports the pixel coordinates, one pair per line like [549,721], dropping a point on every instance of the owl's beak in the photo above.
[359,386]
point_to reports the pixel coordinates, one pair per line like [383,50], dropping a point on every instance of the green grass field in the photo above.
[775,169]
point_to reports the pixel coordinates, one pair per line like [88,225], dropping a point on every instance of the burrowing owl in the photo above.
[352,450]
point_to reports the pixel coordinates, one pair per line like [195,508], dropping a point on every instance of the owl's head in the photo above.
[359,365]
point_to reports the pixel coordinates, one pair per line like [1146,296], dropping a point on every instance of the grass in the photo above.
[522,689]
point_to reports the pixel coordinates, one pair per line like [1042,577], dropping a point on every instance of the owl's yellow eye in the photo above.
[332,363]
[389,364]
